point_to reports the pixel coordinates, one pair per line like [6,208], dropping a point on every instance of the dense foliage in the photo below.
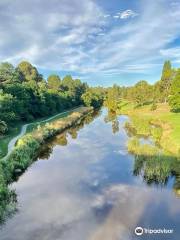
[167,89]
[94,97]
[25,95]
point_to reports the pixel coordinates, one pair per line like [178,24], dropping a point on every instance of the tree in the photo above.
[29,72]
[25,95]
[54,82]
[8,74]
[112,99]
[141,93]
[7,107]
[174,98]
[92,97]
[165,83]
[74,89]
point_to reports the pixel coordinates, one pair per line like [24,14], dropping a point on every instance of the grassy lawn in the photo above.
[162,117]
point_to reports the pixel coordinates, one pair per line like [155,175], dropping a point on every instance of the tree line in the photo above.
[25,95]
[166,90]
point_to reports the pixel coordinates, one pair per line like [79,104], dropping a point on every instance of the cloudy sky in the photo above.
[99,41]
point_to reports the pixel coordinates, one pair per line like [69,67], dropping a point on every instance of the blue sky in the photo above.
[99,41]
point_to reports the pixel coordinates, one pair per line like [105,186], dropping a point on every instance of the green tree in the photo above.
[166,78]
[174,98]
[113,97]
[93,97]
[7,107]
[29,72]
[141,93]
[25,95]
[54,82]
[8,74]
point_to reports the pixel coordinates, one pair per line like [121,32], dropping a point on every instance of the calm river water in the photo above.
[83,188]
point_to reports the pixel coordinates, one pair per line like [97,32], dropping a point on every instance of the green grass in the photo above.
[162,118]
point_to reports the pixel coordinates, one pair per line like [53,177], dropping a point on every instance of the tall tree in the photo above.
[54,82]
[166,77]
[112,99]
[174,98]
[29,72]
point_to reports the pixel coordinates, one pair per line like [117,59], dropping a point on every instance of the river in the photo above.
[83,188]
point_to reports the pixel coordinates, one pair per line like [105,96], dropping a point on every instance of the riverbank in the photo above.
[160,124]
[8,141]
[27,148]
[154,141]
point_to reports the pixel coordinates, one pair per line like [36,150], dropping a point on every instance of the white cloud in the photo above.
[79,36]
[116,16]
[127,14]
[45,31]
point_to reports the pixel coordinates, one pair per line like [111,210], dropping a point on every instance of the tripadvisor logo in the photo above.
[139,231]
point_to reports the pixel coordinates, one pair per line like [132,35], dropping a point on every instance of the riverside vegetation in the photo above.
[25,96]
[154,115]
[153,110]
[26,150]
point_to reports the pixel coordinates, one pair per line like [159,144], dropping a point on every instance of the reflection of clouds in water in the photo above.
[132,206]
[125,214]
[60,199]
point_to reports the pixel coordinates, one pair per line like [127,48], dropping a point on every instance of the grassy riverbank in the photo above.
[27,149]
[14,131]
[157,158]
[161,124]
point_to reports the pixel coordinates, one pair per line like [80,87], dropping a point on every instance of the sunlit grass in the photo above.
[161,117]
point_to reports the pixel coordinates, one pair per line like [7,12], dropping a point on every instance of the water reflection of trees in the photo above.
[154,168]
[9,202]
[8,205]
[112,117]
[157,169]
[62,139]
